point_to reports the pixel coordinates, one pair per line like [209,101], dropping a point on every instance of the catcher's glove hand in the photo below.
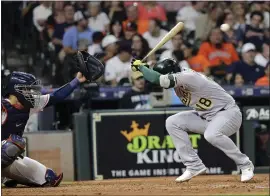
[88,65]
[135,64]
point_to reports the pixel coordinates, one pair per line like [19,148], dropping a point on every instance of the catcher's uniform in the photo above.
[26,170]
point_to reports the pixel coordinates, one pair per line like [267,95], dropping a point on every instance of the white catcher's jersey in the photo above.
[201,93]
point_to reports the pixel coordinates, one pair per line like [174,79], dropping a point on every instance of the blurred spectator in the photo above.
[95,48]
[117,69]
[60,29]
[173,6]
[130,30]
[57,17]
[253,33]
[262,58]
[264,81]
[238,80]
[206,22]
[238,11]
[196,61]
[116,29]
[41,14]
[151,9]
[98,21]
[140,48]
[262,145]
[137,97]
[189,14]
[109,46]
[132,16]
[155,33]
[231,34]
[259,6]
[176,52]
[246,67]
[77,34]
[218,53]
[117,11]
[81,6]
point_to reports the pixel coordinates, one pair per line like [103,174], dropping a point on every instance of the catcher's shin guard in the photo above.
[52,179]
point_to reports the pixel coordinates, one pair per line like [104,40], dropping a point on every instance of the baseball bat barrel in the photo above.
[176,29]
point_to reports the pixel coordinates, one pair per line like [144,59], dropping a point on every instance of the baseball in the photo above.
[224,27]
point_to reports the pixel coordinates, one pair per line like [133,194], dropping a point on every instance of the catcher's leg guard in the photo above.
[31,173]
[52,179]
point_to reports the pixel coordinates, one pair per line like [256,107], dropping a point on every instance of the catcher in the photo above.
[22,97]
[215,115]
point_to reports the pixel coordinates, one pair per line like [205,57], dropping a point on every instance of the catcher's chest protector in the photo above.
[13,120]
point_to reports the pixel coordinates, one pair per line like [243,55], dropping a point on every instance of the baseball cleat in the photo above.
[247,173]
[187,175]
[52,179]
[10,183]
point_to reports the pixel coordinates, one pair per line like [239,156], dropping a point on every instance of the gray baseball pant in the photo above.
[224,124]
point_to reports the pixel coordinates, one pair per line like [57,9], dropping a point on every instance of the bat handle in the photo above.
[144,59]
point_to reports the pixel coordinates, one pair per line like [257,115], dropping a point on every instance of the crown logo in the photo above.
[136,131]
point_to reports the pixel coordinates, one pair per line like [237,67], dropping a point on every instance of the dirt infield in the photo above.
[201,185]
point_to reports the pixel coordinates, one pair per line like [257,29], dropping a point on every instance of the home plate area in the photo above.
[200,185]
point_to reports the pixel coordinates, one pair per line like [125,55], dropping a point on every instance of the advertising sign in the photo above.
[136,144]
[256,113]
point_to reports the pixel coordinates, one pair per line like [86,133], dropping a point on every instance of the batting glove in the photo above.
[135,64]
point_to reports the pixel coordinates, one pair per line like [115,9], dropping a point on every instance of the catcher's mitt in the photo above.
[88,65]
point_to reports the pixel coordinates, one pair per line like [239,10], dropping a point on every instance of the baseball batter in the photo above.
[215,115]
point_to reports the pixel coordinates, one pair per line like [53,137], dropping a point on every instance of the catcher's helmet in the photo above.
[25,87]
[167,66]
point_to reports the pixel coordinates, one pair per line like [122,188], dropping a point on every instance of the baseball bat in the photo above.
[176,29]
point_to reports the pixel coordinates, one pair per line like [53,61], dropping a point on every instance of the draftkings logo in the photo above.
[153,149]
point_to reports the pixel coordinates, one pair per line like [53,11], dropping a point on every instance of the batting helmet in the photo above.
[25,87]
[167,66]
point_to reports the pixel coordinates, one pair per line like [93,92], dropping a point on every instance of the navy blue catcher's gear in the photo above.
[25,87]
[11,149]
[13,119]
[52,180]
[167,66]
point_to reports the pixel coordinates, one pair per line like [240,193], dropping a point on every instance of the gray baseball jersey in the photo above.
[201,93]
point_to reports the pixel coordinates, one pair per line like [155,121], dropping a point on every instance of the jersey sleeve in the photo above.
[189,79]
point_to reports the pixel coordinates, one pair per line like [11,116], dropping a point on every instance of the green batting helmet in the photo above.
[167,66]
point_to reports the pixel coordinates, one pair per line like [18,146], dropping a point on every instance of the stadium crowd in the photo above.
[116,32]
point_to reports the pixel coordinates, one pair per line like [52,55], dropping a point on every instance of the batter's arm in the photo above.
[165,81]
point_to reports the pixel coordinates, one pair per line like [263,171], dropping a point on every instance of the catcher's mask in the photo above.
[167,66]
[90,66]
[25,87]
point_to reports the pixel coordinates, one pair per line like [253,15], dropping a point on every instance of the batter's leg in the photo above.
[223,125]
[177,126]
[27,171]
